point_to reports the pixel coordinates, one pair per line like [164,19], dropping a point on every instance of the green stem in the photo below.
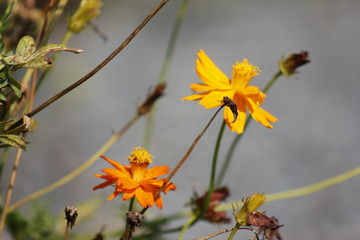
[233,232]
[166,66]
[237,138]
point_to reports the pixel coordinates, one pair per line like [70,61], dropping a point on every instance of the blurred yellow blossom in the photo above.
[87,10]
[251,204]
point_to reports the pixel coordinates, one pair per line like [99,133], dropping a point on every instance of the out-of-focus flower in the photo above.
[218,85]
[289,64]
[88,10]
[251,204]
[136,180]
[217,197]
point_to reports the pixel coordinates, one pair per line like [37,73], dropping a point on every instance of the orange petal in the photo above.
[145,198]
[169,187]
[104,184]
[159,202]
[155,172]
[117,165]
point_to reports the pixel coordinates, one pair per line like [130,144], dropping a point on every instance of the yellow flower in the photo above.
[88,10]
[218,85]
[251,204]
[136,180]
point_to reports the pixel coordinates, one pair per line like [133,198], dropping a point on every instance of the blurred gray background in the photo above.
[317,136]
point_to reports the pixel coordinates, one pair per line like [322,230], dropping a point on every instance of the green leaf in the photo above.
[13,140]
[15,85]
[24,50]
[26,55]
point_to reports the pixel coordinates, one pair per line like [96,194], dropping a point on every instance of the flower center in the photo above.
[140,156]
[139,161]
[243,72]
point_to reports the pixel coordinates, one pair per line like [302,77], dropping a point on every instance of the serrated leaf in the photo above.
[13,140]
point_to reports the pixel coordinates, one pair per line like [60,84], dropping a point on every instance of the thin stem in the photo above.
[77,171]
[211,182]
[233,232]
[166,66]
[181,162]
[301,191]
[237,138]
[10,189]
[102,64]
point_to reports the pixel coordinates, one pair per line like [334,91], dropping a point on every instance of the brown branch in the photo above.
[102,64]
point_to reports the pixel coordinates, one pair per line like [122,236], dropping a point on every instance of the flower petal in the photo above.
[195,97]
[214,98]
[117,165]
[144,197]
[259,114]
[209,73]
[155,172]
[201,87]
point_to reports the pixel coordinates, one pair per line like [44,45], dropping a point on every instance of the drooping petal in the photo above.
[169,187]
[259,114]
[159,202]
[128,194]
[114,173]
[156,172]
[144,197]
[209,73]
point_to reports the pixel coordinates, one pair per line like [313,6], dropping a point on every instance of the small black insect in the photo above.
[233,107]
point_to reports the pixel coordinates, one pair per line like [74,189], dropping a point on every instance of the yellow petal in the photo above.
[214,98]
[209,73]
[239,124]
[200,87]
[194,97]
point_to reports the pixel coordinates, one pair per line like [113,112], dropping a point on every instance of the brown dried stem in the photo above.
[102,64]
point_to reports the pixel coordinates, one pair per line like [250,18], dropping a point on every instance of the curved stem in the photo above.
[102,64]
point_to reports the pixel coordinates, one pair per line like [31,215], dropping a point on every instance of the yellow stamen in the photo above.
[140,156]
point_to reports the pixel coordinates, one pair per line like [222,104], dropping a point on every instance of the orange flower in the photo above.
[136,180]
[218,85]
